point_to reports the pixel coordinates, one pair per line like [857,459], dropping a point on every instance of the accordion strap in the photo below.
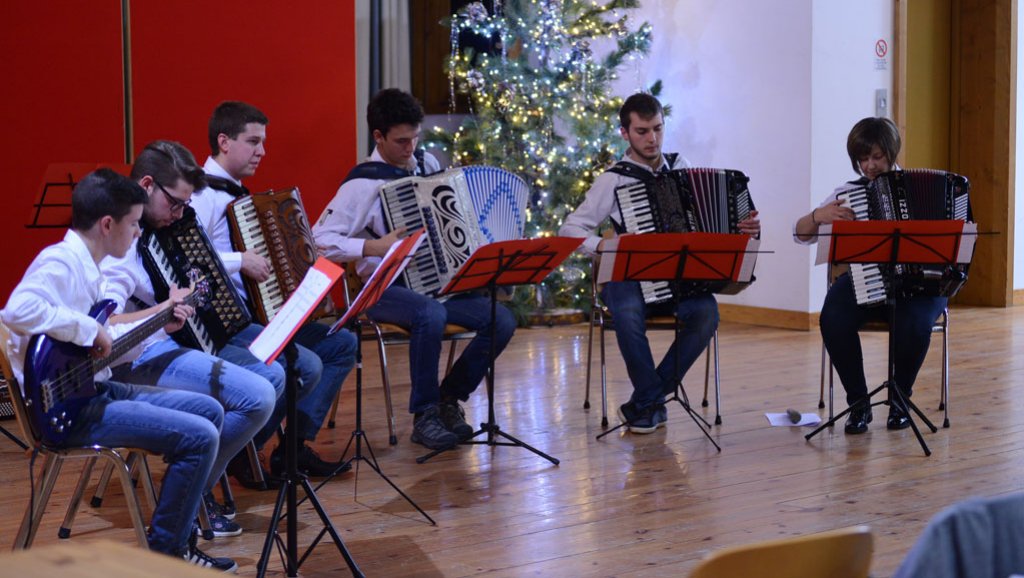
[230,187]
[381,171]
[633,170]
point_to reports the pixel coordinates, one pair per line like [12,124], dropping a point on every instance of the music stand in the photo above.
[716,259]
[894,244]
[504,264]
[279,336]
[393,263]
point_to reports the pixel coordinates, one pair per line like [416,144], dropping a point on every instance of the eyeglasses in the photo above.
[175,202]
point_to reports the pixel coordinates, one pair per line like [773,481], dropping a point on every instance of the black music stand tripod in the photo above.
[677,258]
[288,494]
[505,264]
[386,273]
[929,248]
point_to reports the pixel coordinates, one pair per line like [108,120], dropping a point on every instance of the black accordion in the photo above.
[180,254]
[693,200]
[917,194]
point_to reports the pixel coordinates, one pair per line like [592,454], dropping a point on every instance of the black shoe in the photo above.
[860,417]
[898,417]
[193,555]
[309,463]
[640,420]
[240,469]
[428,430]
[454,419]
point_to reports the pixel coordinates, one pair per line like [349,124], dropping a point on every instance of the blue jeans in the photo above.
[338,354]
[248,398]
[841,318]
[651,384]
[182,426]
[425,318]
[308,365]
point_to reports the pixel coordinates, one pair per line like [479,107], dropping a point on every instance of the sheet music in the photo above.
[318,281]
[400,251]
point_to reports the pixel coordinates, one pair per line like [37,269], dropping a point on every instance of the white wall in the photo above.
[1018,217]
[770,88]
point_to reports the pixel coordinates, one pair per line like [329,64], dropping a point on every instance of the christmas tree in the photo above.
[540,105]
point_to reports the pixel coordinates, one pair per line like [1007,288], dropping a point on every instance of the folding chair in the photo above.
[941,325]
[601,317]
[54,460]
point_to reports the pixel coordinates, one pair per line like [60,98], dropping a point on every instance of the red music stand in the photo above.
[894,244]
[711,261]
[503,264]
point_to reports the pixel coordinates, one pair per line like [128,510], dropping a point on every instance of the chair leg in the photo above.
[44,487]
[206,531]
[590,356]
[64,532]
[386,382]
[334,410]
[707,374]
[718,385]
[147,480]
[831,390]
[131,498]
[101,485]
[451,357]
[225,489]
[254,464]
[944,402]
[604,379]
[824,367]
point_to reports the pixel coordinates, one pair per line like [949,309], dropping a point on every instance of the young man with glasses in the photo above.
[237,132]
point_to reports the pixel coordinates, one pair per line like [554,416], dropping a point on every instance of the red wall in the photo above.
[61,102]
[65,103]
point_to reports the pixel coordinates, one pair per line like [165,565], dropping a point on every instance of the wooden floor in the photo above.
[631,505]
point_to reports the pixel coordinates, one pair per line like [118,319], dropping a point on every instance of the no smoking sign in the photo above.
[881,48]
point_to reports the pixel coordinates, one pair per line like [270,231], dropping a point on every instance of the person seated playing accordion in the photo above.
[353,228]
[641,125]
[872,145]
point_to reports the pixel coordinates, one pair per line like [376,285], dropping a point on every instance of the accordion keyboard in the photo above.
[250,232]
[868,281]
[193,324]
[402,209]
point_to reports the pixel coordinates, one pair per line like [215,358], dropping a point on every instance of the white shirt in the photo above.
[601,203]
[355,215]
[125,278]
[858,184]
[54,297]
[211,208]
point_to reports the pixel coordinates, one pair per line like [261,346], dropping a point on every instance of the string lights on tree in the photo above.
[541,105]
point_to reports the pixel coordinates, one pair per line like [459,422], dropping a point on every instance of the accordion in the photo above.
[460,209]
[180,254]
[273,224]
[919,194]
[689,200]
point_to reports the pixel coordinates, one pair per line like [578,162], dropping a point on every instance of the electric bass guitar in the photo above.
[60,376]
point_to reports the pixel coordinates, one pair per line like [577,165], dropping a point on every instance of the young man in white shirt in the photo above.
[352,228]
[237,132]
[641,121]
[54,298]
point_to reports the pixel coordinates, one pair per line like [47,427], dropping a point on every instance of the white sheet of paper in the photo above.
[294,311]
[782,419]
